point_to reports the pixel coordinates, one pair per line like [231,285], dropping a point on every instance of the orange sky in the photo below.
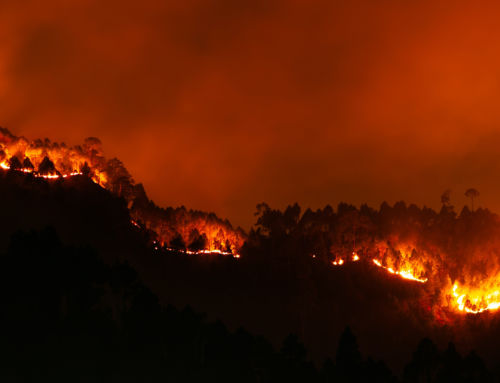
[222,104]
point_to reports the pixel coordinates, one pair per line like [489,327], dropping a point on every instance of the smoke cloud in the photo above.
[219,105]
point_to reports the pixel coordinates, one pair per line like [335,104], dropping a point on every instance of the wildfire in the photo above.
[475,301]
[204,252]
[157,246]
[340,262]
[53,161]
[181,230]
[405,273]
[50,176]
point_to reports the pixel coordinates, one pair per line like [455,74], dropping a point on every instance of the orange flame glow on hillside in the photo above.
[476,300]
[466,290]
[407,273]
[52,161]
[475,297]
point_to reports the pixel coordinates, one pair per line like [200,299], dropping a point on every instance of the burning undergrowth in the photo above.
[453,258]
[175,229]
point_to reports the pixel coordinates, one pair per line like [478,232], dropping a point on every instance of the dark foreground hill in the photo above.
[72,304]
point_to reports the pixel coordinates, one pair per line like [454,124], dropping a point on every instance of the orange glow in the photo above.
[476,300]
[52,161]
[340,262]
[205,252]
[182,230]
[393,74]
[5,166]
[209,251]
[403,273]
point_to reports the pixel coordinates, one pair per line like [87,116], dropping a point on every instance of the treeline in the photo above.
[180,228]
[67,316]
[328,233]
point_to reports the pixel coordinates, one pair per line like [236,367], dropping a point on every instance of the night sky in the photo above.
[220,105]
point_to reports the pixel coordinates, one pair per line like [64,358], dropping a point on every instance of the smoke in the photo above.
[263,100]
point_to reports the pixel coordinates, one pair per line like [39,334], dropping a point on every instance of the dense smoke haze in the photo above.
[219,105]
[249,191]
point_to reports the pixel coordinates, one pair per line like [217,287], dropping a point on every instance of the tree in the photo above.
[14,163]
[424,365]
[119,179]
[197,241]
[452,363]
[178,243]
[27,164]
[292,349]
[472,193]
[445,197]
[47,166]
[85,170]
[348,357]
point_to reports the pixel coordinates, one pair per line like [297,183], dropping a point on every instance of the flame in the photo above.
[408,257]
[204,252]
[51,176]
[340,262]
[69,161]
[157,246]
[403,259]
[53,161]
[475,300]
[404,273]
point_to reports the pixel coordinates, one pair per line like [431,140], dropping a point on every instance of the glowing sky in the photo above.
[222,104]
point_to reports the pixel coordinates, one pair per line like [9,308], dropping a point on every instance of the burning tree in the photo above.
[14,163]
[27,164]
[47,166]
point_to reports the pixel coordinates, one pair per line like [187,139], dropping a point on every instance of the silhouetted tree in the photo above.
[474,369]
[46,166]
[445,197]
[424,365]
[14,163]
[197,241]
[85,170]
[27,164]
[348,359]
[472,193]
[451,368]
[292,349]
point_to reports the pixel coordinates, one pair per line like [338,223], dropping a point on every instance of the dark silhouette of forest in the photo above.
[91,297]
[68,316]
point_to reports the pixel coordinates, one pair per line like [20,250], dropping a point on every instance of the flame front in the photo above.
[475,300]
[469,283]
[403,273]
[183,230]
